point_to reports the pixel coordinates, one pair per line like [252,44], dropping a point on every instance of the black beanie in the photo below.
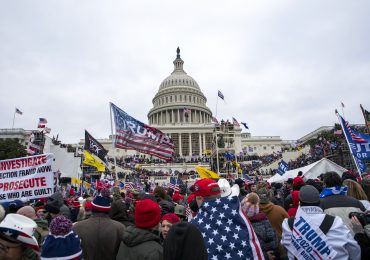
[184,241]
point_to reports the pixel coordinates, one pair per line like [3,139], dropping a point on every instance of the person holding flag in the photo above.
[226,231]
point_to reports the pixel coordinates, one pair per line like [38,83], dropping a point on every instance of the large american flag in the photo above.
[133,134]
[226,231]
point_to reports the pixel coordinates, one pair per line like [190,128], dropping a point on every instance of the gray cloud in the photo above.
[283,66]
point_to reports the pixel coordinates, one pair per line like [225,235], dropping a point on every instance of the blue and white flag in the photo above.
[226,231]
[133,134]
[283,167]
[359,144]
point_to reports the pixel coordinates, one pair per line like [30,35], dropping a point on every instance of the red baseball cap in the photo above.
[206,187]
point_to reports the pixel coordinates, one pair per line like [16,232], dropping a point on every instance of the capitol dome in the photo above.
[179,100]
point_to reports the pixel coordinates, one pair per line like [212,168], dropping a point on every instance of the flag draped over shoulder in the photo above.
[205,173]
[226,231]
[358,142]
[93,160]
[94,147]
[133,134]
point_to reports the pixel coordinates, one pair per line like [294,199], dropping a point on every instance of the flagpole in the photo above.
[350,150]
[113,145]
[13,119]
[216,105]
[366,124]
[343,110]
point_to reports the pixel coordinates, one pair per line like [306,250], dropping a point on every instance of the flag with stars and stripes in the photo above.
[226,231]
[358,142]
[173,184]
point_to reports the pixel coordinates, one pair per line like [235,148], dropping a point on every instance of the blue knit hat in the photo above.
[102,203]
[62,242]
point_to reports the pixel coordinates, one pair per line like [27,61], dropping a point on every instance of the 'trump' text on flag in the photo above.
[133,134]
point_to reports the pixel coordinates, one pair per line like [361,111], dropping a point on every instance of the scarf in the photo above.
[337,190]
[252,211]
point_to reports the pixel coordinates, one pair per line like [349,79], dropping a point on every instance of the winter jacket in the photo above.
[341,206]
[100,237]
[139,244]
[265,233]
[275,215]
[119,213]
[338,236]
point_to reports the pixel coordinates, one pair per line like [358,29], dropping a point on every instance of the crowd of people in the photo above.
[325,218]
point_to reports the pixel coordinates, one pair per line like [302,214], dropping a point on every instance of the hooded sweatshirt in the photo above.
[139,243]
[275,215]
[184,241]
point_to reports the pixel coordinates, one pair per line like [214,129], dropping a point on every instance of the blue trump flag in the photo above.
[226,231]
[359,144]
[283,167]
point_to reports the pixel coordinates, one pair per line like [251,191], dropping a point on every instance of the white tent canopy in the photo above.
[310,171]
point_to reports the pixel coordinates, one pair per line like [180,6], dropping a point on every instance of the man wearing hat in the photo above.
[100,235]
[16,236]
[315,234]
[219,211]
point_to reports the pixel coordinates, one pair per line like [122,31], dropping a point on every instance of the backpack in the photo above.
[325,224]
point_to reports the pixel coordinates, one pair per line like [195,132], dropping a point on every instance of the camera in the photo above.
[362,217]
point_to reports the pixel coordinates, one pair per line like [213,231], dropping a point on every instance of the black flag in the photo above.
[94,146]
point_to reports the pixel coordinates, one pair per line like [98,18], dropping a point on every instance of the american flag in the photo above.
[33,149]
[42,123]
[133,134]
[129,185]
[215,121]
[173,184]
[235,122]
[247,179]
[226,231]
[188,212]
[221,95]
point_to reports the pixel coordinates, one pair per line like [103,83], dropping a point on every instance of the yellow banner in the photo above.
[76,181]
[206,174]
[86,185]
[92,160]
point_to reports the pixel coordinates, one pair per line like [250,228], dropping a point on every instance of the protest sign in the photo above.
[26,178]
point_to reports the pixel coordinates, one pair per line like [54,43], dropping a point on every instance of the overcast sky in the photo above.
[283,66]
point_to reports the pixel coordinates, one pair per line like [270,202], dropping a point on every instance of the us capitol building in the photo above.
[180,110]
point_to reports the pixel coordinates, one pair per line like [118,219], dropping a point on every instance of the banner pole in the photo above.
[113,143]
[350,150]
[13,119]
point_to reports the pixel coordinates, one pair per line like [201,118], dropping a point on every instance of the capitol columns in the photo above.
[204,141]
[200,144]
[180,145]
[190,146]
